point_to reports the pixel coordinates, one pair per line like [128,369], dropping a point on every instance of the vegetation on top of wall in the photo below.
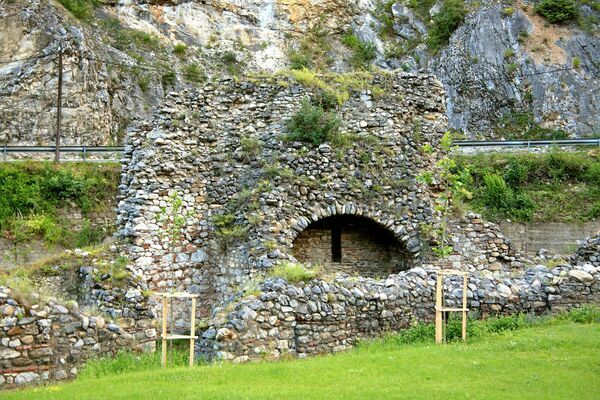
[312,124]
[32,194]
[554,186]
[294,272]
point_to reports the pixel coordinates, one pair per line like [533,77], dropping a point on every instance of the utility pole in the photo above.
[59,104]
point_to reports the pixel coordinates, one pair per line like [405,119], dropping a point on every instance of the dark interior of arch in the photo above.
[351,244]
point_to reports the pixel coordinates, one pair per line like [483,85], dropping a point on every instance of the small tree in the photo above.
[172,223]
[453,185]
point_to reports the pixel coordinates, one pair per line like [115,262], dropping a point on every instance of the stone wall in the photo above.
[46,342]
[330,316]
[588,252]
[247,193]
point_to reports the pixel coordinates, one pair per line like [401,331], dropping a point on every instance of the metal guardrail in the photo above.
[527,143]
[85,150]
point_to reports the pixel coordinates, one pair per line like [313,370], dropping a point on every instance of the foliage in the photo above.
[557,11]
[294,272]
[32,194]
[81,9]
[180,49]
[192,72]
[444,23]
[168,78]
[522,125]
[335,85]
[172,220]
[383,13]
[362,52]
[554,186]
[586,314]
[313,51]
[250,147]
[312,124]
[501,200]
[454,191]
[231,62]
[128,362]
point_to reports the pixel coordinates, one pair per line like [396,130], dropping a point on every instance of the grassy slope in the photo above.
[558,362]
[564,186]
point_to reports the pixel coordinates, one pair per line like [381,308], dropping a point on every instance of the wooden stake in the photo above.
[464,307]
[438,309]
[163,359]
[192,330]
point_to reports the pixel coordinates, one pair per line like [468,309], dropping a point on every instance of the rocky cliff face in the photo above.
[125,55]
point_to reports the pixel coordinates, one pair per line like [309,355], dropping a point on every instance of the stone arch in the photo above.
[353,239]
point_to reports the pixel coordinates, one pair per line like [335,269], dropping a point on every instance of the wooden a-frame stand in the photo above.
[441,309]
[167,336]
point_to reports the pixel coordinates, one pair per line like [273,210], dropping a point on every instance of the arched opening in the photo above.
[351,244]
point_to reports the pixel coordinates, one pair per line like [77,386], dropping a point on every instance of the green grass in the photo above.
[32,195]
[563,186]
[557,361]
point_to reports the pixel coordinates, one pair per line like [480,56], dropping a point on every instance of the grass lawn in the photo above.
[558,361]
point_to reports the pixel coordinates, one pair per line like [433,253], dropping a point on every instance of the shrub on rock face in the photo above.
[312,124]
[451,16]
[557,11]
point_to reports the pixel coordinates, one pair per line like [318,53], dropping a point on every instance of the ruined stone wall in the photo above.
[47,342]
[330,316]
[246,192]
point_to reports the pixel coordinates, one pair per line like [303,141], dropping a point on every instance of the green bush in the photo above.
[81,9]
[557,11]
[193,73]
[168,78]
[32,193]
[299,60]
[522,125]
[451,16]
[502,201]
[312,124]
[180,49]
[362,52]
[586,314]
[564,186]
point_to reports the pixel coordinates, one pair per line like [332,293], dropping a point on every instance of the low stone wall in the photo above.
[324,317]
[588,251]
[40,343]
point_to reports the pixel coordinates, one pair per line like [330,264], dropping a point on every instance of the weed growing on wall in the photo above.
[312,124]
[294,272]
